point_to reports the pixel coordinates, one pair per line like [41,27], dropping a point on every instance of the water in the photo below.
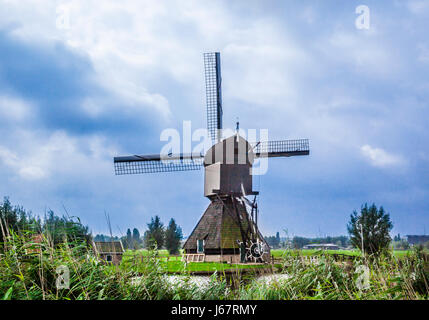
[203,282]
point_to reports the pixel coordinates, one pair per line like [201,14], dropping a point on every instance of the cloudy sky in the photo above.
[83,81]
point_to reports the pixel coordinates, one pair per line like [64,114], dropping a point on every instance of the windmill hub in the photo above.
[228,230]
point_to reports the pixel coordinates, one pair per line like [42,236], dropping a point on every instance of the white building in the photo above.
[324,246]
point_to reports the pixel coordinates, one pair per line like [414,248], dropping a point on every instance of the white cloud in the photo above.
[32,173]
[265,82]
[126,42]
[20,165]
[7,156]
[138,49]
[380,158]
[58,155]
[365,51]
[13,108]
[418,6]
[132,42]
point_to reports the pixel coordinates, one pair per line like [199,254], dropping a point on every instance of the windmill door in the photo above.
[200,246]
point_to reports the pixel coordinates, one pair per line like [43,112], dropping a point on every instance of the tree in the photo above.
[105,238]
[136,238]
[15,218]
[100,237]
[129,239]
[299,242]
[369,231]
[173,236]
[60,228]
[401,245]
[57,229]
[155,235]
[273,241]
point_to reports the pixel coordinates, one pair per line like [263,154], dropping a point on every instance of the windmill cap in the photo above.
[233,150]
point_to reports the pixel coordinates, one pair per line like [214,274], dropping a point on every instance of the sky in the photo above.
[83,81]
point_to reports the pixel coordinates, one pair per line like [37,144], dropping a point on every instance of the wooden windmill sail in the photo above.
[228,229]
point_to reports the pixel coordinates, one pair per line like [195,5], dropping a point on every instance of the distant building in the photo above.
[109,251]
[324,246]
[414,239]
[34,245]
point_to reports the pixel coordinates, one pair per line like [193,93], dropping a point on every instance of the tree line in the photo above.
[56,228]
[299,242]
[59,229]
[156,236]
[369,231]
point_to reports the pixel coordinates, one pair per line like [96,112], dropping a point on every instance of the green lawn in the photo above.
[144,252]
[174,263]
[278,253]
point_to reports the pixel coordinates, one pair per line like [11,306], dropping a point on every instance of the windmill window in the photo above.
[200,246]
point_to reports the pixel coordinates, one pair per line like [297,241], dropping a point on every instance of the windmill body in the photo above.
[228,229]
[228,167]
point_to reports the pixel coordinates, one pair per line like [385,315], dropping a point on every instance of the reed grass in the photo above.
[28,271]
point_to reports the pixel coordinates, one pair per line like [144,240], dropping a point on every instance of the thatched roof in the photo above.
[104,247]
[219,225]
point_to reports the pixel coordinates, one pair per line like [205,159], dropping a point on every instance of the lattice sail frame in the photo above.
[132,165]
[180,162]
[282,148]
[213,94]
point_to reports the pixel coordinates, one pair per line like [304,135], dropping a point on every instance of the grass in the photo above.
[174,264]
[278,253]
[33,274]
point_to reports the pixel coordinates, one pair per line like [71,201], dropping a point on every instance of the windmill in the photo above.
[228,229]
